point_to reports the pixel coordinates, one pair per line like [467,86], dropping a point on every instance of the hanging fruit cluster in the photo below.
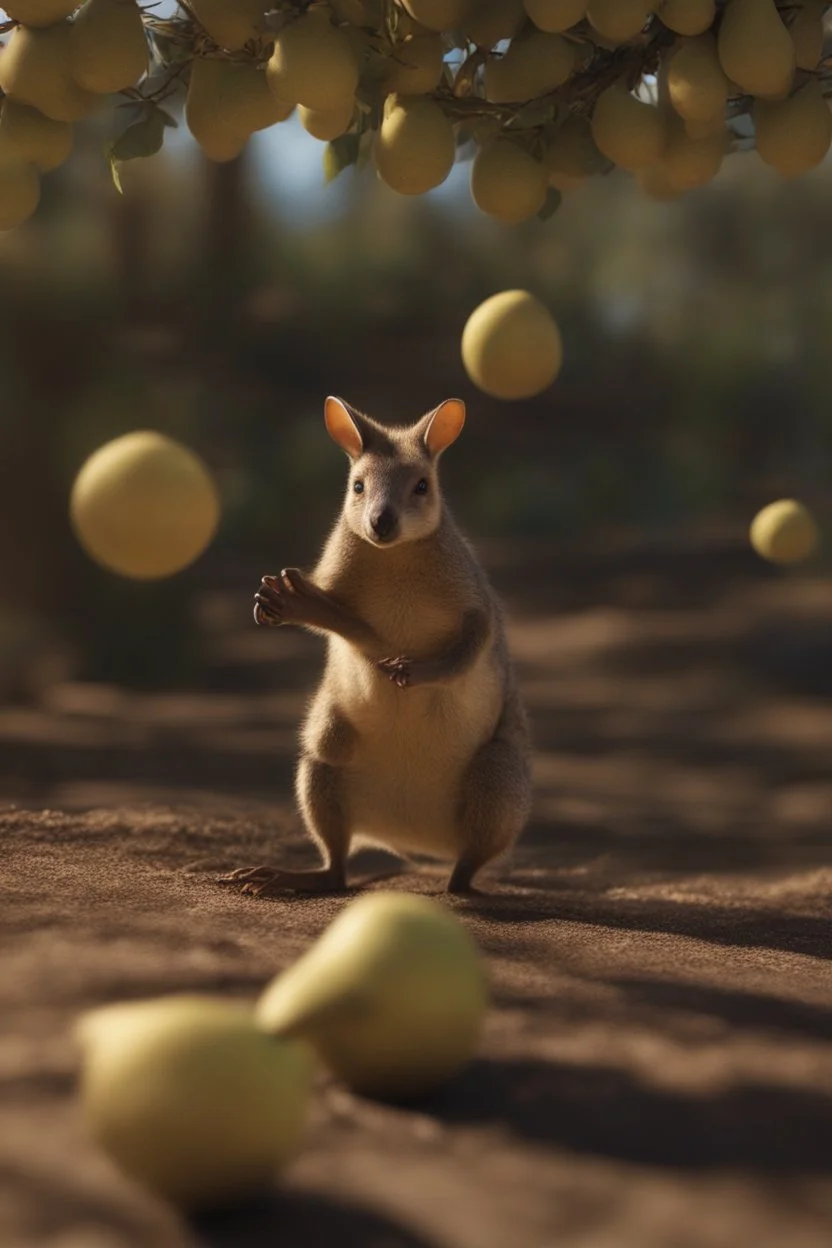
[543,93]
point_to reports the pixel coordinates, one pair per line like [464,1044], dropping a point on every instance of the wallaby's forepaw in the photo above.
[398,670]
[284,599]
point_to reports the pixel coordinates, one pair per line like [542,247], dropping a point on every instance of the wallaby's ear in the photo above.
[342,426]
[443,426]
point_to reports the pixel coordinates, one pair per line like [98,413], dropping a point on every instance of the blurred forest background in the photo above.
[222,303]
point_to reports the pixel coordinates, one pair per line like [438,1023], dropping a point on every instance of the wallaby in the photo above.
[416,739]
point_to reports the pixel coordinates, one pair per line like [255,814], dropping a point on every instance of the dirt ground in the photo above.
[657,1067]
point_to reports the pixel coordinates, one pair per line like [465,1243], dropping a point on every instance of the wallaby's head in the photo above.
[393,488]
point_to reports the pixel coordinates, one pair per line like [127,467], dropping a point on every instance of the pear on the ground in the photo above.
[618,20]
[19,192]
[507,182]
[628,131]
[794,135]
[437,14]
[392,996]
[38,13]
[688,17]
[27,136]
[34,68]
[530,67]
[415,66]
[491,21]
[144,505]
[807,34]
[755,48]
[784,532]
[230,23]
[414,147]
[108,47]
[313,63]
[511,346]
[327,126]
[696,82]
[190,1098]
[556,16]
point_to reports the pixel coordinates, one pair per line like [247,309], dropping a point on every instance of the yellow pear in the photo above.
[555,16]
[511,346]
[437,14]
[414,147]
[392,996]
[784,532]
[34,68]
[414,66]
[705,129]
[108,48]
[144,506]
[19,192]
[794,135]
[618,20]
[358,12]
[508,183]
[230,23]
[490,21]
[806,31]
[227,102]
[755,48]
[531,67]
[313,63]
[572,152]
[688,17]
[654,182]
[26,135]
[692,162]
[327,126]
[37,13]
[629,132]
[190,1098]
[696,82]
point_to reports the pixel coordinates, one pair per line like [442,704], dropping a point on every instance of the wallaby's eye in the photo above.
[421,487]
[358,487]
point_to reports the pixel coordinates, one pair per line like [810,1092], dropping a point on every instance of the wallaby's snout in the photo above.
[384,524]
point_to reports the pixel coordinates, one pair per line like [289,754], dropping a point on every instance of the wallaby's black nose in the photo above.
[383,523]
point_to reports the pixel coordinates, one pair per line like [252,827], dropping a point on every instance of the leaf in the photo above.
[553,202]
[143,137]
[167,120]
[535,113]
[114,174]
[339,155]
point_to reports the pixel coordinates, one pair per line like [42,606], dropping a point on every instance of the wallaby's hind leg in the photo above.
[318,787]
[495,799]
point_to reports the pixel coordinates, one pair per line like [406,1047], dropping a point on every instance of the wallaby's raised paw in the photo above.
[398,670]
[285,599]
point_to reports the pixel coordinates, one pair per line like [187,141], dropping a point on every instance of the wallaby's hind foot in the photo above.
[318,787]
[495,799]
[271,882]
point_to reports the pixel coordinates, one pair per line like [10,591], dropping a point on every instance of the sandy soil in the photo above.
[657,1068]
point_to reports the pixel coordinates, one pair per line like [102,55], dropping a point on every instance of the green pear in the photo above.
[190,1098]
[392,996]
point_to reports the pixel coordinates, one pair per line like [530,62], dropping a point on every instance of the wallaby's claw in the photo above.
[398,670]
